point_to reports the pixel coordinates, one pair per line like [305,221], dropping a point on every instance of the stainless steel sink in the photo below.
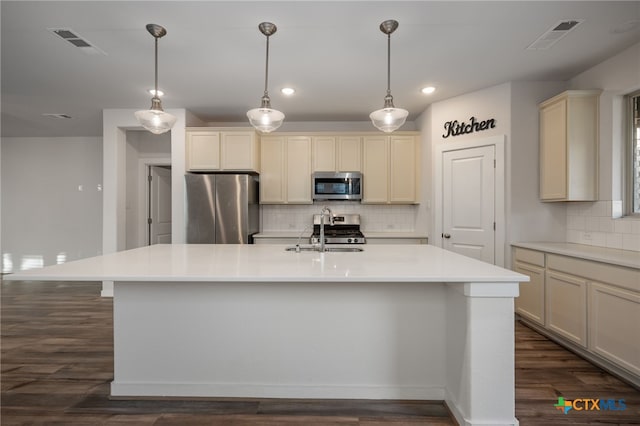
[344,249]
[329,249]
[302,248]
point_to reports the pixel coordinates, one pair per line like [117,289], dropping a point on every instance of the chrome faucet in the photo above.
[325,209]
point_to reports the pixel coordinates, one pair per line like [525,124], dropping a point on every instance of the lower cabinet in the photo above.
[566,306]
[614,325]
[530,303]
[592,306]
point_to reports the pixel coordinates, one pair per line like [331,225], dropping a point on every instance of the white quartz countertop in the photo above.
[271,263]
[630,259]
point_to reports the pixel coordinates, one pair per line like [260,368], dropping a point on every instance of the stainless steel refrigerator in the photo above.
[221,208]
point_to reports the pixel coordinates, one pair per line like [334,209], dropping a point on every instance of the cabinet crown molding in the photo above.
[569,94]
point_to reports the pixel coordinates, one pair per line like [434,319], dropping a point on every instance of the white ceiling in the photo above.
[212,60]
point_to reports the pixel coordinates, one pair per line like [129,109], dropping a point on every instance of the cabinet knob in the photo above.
[446,236]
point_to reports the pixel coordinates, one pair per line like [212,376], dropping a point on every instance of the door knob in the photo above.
[446,236]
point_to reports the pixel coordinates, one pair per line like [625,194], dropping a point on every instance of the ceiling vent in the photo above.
[57,116]
[555,34]
[70,36]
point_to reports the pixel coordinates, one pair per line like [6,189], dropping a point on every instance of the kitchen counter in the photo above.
[257,263]
[415,322]
[630,259]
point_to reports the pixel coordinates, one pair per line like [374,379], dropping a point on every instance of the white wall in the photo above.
[116,123]
[529,218]
[424,209]
[600,223]
[142,148]
[617,76]
[319,126]
[490,103]
[514,106]
[51,200]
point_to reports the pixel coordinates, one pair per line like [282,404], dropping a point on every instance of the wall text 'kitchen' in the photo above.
[455,128]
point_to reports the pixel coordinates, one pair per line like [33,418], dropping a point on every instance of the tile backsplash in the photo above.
[374,218]
[600,224]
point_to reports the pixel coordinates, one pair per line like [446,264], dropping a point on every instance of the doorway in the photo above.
[159,205]
[469,199]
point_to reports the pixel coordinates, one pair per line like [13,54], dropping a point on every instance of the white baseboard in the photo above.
[255,390]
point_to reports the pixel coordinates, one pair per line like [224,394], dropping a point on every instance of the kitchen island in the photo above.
[412,322]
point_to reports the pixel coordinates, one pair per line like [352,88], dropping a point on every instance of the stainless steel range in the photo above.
[345,229]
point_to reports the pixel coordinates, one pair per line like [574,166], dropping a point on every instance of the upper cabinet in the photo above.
[337,153]
[390,169]
[390,165]
[569,146]
[286,170]
[211,149]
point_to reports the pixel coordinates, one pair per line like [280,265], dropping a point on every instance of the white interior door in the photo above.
[468,202]
[159,205]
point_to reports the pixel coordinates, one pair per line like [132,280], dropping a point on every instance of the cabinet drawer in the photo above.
[595,271]
[529,256]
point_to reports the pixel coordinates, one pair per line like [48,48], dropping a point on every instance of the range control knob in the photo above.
[349,240]
[355,240]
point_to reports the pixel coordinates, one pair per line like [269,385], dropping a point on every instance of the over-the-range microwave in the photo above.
[337,186]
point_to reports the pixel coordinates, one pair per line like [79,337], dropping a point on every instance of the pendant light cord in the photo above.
[266,70]
[155,95]
[388,64]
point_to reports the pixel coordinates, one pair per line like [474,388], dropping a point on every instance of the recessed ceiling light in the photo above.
[153,92]
[428,90]
[288,91]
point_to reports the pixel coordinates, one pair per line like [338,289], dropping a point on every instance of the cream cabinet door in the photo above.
[272,175]
[349,154]
[569,134]
[324,153]
[553,151]
[530,303]
[402,183]
[203,150]
[566,306]
[298,174]
[614,325]
[375,169]
[239,151]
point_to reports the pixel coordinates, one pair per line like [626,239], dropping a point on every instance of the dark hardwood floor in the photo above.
[57,363]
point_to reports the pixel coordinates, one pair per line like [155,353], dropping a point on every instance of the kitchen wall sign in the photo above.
[455,128]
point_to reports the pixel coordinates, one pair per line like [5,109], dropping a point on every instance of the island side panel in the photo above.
[287,340]
[481,348]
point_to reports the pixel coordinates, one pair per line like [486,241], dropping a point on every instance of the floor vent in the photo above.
[555,34]
[72,37]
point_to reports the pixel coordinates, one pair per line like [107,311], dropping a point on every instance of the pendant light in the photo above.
[155,119]
[388,118]
[266,119]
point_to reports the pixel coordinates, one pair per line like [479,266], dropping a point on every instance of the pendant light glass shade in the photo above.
[388,118]
[155,119]
[266,119]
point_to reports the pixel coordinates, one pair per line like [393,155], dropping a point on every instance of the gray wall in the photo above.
[51,200]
